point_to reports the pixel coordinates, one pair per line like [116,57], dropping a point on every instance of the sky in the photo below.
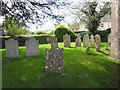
[49,24]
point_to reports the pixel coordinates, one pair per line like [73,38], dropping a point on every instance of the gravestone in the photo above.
[92,40]
[109,38]
[11,46]
[54,43]
[106,47]
[78,41]
[55,60]
[48,39]
[115,29]
[87,48]
[66,39]
[32,47]
[86,40]
[98,41]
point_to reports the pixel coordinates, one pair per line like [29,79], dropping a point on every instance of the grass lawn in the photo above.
[82,69]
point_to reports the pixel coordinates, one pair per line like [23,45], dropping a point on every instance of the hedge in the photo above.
[21,40]
[102,33]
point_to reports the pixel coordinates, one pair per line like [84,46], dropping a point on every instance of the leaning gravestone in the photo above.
[109,38]
[55,60]
[66,39]
[54,43]
[98,41]
[86,40]
[115,29]
[11,46]
[32,47]
[92,40]
[78,41]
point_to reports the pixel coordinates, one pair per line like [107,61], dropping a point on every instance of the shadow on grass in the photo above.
[103,52]
[107,49]
[91,53]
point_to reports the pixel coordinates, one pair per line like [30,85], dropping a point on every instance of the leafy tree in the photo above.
[62,30]
[32,11]
[12,28]
[91,13]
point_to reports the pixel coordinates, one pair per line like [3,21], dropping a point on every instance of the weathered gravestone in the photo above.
[78,41]
[32,47]
[92,40]
[11,46]
[55,60]
[54,43]
[106,47]
[109,41]
[115,29]
[86,40]
[109,38]
[66,39]
[98,41]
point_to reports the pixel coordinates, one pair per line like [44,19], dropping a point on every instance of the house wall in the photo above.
[103,26]
[106,25]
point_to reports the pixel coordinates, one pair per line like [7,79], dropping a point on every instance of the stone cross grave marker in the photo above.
[32,47]
[66,39]
[98,41]
[92,40]
[54,43]
[78,41]
[86,40]
[55,60]
[11,46]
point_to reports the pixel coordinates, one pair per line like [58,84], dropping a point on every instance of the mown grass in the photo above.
[82,69]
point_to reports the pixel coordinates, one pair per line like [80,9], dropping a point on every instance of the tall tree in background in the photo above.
[12,28]
[31,11]
[91,13]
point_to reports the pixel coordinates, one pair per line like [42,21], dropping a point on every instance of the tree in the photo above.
[32,11]
[12,28]
[91,13]
[62,30]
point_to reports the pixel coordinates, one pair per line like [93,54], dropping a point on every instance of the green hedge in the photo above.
[21,40]
[102,33]
[62,30]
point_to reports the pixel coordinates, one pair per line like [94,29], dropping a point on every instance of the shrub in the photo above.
[40,32]
[103,34]
[21,40]
[62,30]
